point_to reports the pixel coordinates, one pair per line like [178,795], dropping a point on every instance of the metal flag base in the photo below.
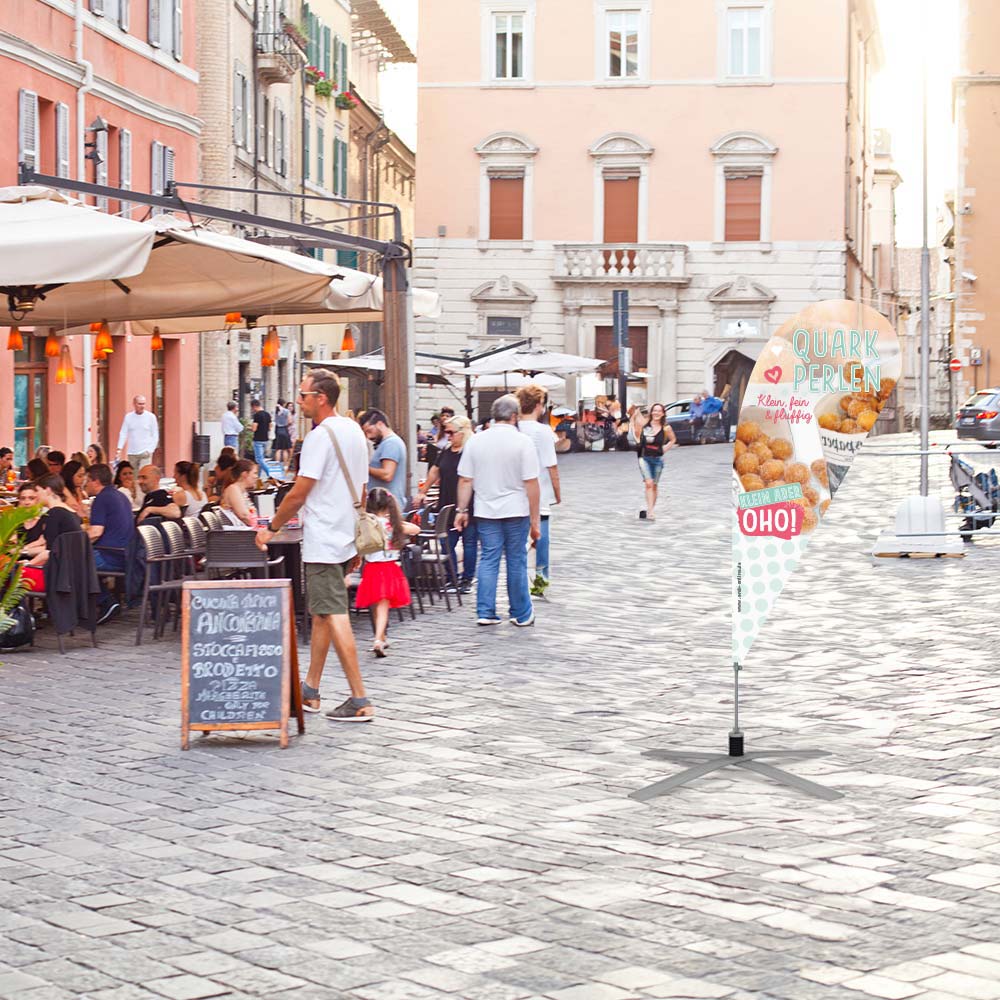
[706,763]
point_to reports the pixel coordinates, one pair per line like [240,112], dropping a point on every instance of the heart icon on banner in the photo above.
[773,375]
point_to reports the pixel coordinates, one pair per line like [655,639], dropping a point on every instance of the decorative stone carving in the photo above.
[742,144]
[506,143]
[620,144]
[741,292]
[503,290]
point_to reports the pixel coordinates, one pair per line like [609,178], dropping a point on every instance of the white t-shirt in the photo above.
[544,439]
[498,461]
[140,432]
[328,516]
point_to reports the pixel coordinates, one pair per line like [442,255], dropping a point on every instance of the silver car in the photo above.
[979,416]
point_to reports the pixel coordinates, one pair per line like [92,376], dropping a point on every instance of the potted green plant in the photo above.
[314,74]
[296,33]
[322,88]
[12,589]
[346,101]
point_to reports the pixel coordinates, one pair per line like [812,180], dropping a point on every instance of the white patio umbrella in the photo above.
[374,364]
[515,380]
[47,239]
[532,361]
[189,278]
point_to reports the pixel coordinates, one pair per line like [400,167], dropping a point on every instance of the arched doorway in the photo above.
[733,369]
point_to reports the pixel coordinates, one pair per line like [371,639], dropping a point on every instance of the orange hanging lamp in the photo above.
[65,375]
[233,319]
[104,345]
[52,344]
[15,342]
[156,341]
[347,344]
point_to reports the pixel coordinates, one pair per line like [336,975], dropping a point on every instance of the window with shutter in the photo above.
[178,29]
[124,14]
[344,68]
[153,29]
[168,167]
[326,54]
[101,166]
[506,207]
[97,7]
[306,151]
[239,128]
[27,129]
[125,167]
[335,185]
[743,207]
[156,168]
[335,79]
[320,155]
[279,140]
[62,140]
[343,169]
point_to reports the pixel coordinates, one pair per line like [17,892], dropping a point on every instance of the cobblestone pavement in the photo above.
[477,841]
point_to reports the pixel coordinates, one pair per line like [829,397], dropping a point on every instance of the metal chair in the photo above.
[437,554]
[195,532]
[234,555]
[211,518]
[163,576]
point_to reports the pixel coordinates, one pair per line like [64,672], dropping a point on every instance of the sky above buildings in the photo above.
[896,103]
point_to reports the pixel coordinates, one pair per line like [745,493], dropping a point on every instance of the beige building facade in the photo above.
[720,170]
[977,198]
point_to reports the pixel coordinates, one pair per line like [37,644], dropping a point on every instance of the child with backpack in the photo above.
[383,585]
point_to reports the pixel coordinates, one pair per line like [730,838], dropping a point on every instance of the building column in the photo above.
[180,363]
[666,382]
[573,343]
[63,429]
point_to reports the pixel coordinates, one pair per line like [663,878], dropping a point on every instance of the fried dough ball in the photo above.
[777,482]
[885,388]
[866,419]
[780,448]
[797,472]
[845,402]
[824,507]
[819,470]
[761,450]
[751,482]
[830,422]
[849,427]
[809,519]
[748,462]
[854,373]
[772,469]
[857,407]
[739,448]
[748,431]
[811,495]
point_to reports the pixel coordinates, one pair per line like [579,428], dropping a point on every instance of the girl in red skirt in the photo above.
[383,585]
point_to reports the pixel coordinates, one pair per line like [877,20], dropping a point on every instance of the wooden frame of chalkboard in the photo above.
[221,679]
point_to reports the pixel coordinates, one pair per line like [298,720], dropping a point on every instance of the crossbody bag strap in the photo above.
[343,466]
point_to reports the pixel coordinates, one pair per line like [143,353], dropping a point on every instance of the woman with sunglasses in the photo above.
[457,432]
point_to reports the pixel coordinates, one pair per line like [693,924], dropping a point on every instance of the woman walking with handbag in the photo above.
[655,438]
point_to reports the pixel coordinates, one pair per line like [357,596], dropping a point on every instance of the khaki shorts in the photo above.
[326,588]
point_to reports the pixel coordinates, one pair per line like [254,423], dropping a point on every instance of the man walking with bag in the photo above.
[329,490]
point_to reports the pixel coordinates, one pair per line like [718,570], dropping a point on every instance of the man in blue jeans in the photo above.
[112,527]
[502,466]
[261,434]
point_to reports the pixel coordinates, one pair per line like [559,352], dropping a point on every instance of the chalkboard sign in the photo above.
[239,658]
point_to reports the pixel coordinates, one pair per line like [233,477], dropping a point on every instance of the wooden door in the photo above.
[604,348]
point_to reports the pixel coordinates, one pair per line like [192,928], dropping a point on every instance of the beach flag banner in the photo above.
[814,395]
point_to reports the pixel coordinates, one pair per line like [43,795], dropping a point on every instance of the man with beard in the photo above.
[387,467]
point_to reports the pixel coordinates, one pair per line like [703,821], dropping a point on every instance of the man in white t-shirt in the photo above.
[140,434]
[532,399]
[502,467]
[328,551]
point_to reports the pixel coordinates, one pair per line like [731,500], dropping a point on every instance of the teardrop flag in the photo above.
[813,396]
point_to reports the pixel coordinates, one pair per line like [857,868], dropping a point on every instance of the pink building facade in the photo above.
[64,64]
[714,161]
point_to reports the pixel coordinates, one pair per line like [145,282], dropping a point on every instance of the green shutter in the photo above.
[347,258]
[320,154]
[335,79]
[343,170]
[326,54]
[344,68]
[307,128]
[336,166]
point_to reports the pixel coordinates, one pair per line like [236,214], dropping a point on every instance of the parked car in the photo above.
[679,418]
[979,416]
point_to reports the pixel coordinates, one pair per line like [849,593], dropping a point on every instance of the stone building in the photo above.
[722,174]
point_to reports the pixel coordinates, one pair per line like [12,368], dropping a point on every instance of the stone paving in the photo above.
[477,841]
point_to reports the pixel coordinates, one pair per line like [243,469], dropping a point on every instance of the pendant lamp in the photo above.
[52,344]
[104,345]
[347,344]
[15,342]
[156,341]
[65,374]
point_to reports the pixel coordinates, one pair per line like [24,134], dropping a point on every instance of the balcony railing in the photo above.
[656,263]
[278,56]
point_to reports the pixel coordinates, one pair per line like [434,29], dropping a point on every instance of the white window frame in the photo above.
[723,8]
[736,153]
[624,154]
[487,10]
[602,55]
[62,140]
[101,147]
[506,153]
[242,111]
[156,167]
[125,167]
[27,129]
[280,139]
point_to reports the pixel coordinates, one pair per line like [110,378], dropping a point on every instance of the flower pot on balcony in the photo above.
[323,88]
[345,101]
[296,34]
[314,75]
